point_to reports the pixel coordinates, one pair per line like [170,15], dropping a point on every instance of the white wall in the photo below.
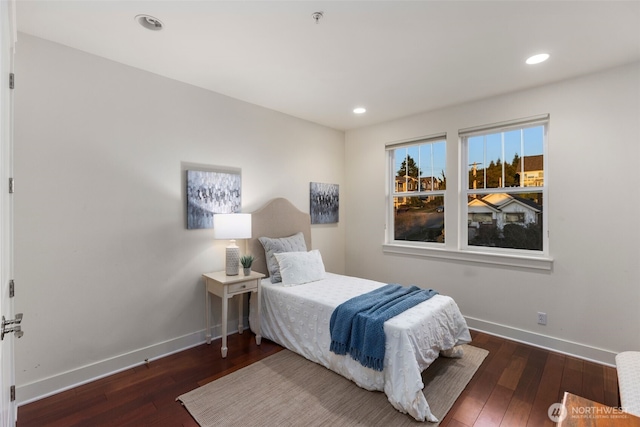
[592,296]
[107,273]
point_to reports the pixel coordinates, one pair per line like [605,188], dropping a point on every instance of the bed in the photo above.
[297,317]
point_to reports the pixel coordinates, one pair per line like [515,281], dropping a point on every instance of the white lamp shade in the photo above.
[232,226]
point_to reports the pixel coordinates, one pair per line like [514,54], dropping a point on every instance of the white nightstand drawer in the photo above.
[242,287]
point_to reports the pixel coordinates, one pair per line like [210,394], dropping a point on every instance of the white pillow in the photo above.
[282,244]
[297,268]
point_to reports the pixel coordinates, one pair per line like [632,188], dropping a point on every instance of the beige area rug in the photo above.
[286,389]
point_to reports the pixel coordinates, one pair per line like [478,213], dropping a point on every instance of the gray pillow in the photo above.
[273,246]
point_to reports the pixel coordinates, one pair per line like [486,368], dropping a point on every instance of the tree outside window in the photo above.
[419,184]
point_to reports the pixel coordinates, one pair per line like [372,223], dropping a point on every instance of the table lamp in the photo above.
[232,226]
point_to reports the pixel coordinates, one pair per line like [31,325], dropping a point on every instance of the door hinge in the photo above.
[12,391]
[12,289]
[11,185]
[12,81]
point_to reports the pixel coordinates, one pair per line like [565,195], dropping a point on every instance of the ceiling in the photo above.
[396,58]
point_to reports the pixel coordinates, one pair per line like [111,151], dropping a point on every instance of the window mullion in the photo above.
[502,154]
[522,157]
[432,176]
[419,187]
[484,163]
[406,169]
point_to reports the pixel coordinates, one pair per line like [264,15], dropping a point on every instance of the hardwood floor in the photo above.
[145,395]
[514,387]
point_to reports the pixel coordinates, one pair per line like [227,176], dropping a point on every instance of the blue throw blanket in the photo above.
[357,325]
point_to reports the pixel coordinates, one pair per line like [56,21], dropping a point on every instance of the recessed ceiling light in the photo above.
[149,22]
[536,59]
[359,110]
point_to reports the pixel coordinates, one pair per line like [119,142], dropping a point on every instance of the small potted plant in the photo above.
[246,261]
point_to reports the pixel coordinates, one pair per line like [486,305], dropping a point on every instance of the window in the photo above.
[514,217]
[499,199]
[480,218]
[417,187]
[504,187]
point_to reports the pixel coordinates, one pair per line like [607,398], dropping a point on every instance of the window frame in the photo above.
[453,248]
[392,193]
[463,176]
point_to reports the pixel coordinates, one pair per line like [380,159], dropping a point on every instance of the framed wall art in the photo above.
[209,193]
[324,203]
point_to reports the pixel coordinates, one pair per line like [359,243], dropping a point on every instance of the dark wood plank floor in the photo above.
[514,387]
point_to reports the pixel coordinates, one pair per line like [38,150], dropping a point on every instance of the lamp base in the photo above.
[232,262]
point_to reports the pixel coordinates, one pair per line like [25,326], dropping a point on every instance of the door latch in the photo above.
[17,329]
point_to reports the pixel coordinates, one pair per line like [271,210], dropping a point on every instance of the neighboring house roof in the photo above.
[424,180]
[498,201]
[402,178]
[410,177]
[530,203]
[483,203]
[531,163]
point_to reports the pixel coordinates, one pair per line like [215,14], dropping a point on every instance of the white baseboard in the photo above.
[581,351]
[40,389]
[27,393]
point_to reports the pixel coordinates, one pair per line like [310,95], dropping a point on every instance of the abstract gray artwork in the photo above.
[324,203]
[210,193]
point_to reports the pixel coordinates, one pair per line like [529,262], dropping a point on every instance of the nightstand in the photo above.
[226,287]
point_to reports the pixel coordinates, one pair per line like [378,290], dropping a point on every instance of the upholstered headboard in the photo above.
[278,218]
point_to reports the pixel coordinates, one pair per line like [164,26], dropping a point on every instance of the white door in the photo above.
[7,44]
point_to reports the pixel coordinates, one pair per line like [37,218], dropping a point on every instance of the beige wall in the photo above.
[108,275]
[592,295]
[107,272]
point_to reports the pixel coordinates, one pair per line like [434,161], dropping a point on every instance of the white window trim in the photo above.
[509,260]
[505,126]
[463,243]
[533,260]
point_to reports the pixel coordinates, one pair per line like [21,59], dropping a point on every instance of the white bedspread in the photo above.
[298,318]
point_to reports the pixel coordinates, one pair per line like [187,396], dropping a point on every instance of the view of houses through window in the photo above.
[503,182]
[418,193]
[505,191]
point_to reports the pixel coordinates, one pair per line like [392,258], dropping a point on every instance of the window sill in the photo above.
[527,262]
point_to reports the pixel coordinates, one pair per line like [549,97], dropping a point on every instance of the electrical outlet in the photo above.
[542,318]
